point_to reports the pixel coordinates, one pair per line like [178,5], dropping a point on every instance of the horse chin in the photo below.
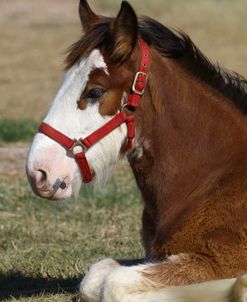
[61,194]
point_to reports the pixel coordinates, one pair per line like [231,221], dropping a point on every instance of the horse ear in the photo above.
[87,16]
[125,33]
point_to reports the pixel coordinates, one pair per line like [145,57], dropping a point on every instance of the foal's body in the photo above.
[193,175]
[189,159]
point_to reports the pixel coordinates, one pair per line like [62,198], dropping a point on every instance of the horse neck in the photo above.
[190,136]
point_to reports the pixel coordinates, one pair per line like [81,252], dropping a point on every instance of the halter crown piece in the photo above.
[138,89]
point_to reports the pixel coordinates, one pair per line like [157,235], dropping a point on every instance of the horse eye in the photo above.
[95,93]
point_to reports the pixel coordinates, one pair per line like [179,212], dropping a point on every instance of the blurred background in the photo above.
[45,247]
[35,35]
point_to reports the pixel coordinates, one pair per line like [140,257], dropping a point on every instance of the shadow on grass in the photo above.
[18,285]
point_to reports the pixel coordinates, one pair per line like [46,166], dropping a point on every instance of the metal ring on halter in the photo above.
[128,107]
[123,107]
[79,143]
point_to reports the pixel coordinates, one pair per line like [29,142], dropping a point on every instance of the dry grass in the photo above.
[45,247]
[35,34]
[12,161]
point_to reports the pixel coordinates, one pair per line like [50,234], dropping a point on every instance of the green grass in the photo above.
[18,130]
[45,247]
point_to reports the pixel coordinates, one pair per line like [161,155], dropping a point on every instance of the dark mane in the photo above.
[177,46]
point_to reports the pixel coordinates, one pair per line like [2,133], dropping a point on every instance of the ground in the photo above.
[12,159]
[46,247]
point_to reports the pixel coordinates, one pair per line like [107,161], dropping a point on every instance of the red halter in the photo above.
[134,98]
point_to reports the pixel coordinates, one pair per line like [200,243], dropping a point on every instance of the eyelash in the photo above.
[95,93]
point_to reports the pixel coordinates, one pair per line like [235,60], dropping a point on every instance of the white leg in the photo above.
[91,285]
[128,284]
[123,283]
[240,289]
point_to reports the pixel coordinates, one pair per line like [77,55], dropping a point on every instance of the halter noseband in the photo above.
[133,102]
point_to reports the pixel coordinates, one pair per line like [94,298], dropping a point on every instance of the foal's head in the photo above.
[98,78]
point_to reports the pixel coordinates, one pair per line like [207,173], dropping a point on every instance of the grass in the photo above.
[45,247]
[17,130]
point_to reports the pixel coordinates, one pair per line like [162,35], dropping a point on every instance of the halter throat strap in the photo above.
[138,89]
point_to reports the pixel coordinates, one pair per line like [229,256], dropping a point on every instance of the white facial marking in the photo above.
[65,116]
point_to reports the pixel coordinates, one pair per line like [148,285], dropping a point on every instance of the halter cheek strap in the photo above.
[138,89]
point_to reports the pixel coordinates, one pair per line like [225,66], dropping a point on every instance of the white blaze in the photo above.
[66,117]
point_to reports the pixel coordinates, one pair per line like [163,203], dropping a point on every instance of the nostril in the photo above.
[40,178]
[43,176]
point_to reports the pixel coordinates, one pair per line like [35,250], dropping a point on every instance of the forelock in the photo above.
[97,36]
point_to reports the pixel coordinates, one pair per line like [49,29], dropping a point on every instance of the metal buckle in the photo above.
[136,80]
[78,143]
[123,107]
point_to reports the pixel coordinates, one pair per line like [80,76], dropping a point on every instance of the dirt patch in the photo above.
[12,160]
